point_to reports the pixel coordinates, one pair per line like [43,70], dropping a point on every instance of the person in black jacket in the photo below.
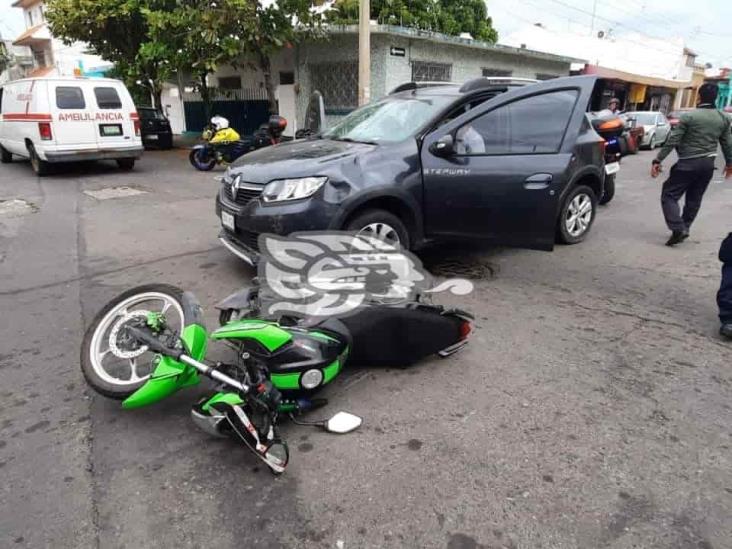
[724,296]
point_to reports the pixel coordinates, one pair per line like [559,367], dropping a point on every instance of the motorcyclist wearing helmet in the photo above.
[222,132]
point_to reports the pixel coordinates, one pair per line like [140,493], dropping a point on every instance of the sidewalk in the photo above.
[186,140]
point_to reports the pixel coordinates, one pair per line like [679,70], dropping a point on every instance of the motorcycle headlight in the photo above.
[292,189]
[311,379]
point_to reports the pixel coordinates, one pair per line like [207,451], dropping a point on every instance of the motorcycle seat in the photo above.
[397,336]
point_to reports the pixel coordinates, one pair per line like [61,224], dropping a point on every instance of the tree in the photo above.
[116,31]
[5,60]
[228,32]
[196,41]
[451,17]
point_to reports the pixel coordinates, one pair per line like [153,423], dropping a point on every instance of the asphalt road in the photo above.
[591,409]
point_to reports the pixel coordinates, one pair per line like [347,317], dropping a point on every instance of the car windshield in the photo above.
[643,118]
[151,114]
[390,120]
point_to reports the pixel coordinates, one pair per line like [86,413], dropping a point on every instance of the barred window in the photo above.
[338,83]
[424,71]
[497,72]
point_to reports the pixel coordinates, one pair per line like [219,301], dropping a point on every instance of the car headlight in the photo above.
[292,189]
[311,379]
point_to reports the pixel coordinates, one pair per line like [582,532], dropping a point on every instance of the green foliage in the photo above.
[149,39]
[451,17]
[5,60]
[116,30]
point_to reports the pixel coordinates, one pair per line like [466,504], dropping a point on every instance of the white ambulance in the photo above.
[68,119]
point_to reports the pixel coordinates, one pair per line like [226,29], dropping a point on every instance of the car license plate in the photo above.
[227,220]
[613,167]
[107,130]
[152,137]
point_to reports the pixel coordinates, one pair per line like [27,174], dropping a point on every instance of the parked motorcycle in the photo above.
[151,341]
[610,126]
[223,145]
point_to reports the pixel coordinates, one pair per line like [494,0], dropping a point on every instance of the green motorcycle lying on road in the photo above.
[151,341]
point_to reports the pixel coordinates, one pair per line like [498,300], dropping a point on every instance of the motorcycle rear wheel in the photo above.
[201,164]
[122,379]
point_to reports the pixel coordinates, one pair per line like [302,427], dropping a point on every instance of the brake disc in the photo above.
[122,344]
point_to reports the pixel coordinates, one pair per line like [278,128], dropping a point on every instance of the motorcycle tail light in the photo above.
[465,329]
[44,128]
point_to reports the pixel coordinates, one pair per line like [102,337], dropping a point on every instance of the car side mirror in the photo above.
[443,147]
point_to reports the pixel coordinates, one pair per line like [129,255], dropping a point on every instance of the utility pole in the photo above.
[594,11]
[364,52]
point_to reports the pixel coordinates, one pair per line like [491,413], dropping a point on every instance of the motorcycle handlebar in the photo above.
[156,346]
[154,343]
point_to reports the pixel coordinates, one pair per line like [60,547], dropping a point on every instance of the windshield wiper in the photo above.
[351,140]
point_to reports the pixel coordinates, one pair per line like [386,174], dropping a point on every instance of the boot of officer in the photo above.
[724,296]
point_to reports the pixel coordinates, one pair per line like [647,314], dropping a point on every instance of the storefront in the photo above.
[634,91]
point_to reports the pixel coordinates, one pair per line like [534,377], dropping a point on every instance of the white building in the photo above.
[21,60]
[50,56]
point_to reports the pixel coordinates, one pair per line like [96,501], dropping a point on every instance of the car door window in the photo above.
[70,97]
[533,125]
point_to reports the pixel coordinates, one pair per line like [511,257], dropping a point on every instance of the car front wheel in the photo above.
[381,224]
[576,215]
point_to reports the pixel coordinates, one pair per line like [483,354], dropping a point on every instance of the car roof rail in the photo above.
[487,82]
[421,84]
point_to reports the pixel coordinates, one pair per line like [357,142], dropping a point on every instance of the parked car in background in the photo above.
[51,120]
[514,163]
[155,128]
[655,126]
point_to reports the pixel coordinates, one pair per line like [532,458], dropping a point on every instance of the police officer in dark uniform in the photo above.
[724,297]
[695,139]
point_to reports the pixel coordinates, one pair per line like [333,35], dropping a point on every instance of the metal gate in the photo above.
[246,109]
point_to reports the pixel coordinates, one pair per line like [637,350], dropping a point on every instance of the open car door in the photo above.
[497,171]
[314,116]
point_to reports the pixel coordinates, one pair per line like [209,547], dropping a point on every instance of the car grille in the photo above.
[248,238]
[243,196]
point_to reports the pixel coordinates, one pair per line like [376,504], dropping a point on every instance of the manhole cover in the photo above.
[460,268]
[108,193]
[16,207]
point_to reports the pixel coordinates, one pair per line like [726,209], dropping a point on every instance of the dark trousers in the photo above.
[690,178]
[724,297]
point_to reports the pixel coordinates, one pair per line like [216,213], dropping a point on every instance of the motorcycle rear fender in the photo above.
[170,375]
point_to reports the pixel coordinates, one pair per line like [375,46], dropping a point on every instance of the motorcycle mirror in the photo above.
[343,423]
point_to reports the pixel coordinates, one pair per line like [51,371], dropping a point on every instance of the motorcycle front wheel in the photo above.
[113,364]
[201,161]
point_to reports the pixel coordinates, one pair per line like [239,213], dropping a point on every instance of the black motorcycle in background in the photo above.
[205,156]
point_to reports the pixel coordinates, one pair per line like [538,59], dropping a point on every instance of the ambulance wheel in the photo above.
[126,164]
[39,166]
[6,157]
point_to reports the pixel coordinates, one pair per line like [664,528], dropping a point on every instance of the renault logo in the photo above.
[235,183]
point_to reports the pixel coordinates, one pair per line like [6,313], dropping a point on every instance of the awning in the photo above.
[604,72]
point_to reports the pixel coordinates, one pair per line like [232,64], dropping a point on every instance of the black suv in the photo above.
[513,162]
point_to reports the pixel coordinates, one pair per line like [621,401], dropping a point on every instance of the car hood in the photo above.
[301,158]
